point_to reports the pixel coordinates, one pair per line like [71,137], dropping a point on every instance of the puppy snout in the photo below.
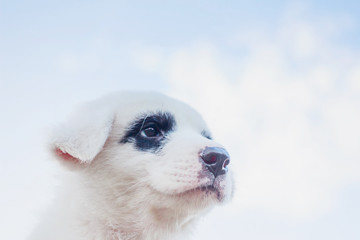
[216,160]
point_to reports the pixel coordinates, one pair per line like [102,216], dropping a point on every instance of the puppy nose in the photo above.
[216,160]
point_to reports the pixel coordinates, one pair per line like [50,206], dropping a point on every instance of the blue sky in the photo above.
[284,76]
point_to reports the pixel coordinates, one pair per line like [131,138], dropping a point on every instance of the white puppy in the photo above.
[144,166]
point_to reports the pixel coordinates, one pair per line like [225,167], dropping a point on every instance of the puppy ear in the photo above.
[79,140]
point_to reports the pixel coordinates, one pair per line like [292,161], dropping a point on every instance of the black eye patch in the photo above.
[149,131]
[206,134]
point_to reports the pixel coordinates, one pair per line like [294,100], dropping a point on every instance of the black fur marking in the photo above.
[149,131]
[206,134]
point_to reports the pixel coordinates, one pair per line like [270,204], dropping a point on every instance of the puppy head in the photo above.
[145,150]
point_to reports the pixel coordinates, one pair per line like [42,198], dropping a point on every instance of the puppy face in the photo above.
[146,151]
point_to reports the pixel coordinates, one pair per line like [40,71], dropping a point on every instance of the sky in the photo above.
[277,81]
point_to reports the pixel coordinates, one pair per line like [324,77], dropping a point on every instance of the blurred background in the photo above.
[277,81]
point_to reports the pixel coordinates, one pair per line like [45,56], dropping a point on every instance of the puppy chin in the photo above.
[216,192]
[204,196]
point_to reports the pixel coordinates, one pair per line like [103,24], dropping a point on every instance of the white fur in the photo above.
[115,191]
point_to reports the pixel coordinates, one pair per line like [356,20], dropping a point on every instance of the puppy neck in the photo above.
[118,217]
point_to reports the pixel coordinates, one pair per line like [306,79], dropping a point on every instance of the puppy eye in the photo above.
[150,132]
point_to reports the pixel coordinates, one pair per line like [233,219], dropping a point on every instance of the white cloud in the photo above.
[147,59]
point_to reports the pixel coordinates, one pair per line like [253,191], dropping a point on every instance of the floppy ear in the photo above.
[79,140]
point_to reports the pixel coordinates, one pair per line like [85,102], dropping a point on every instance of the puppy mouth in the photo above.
[210,188]
[206,190]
